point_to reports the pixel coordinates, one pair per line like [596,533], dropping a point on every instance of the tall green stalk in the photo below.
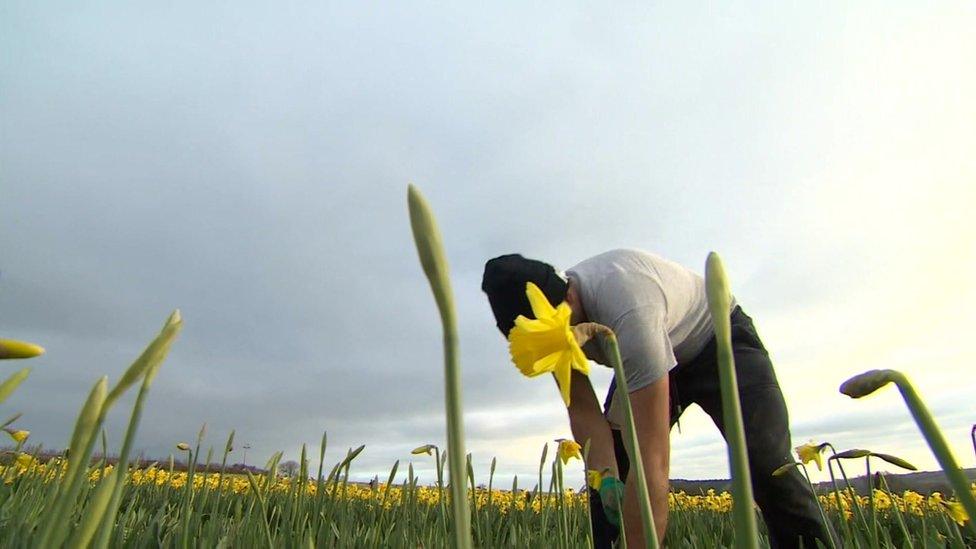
[869,382]
[872,509]
[631,441]
[719,303]
[171,329]
[431,251]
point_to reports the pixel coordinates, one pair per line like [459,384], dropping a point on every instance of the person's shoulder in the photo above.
[618,257]
[617,281]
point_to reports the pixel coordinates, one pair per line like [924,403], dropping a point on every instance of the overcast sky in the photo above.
[248,164]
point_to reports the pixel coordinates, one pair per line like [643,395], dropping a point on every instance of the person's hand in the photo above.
[612,498]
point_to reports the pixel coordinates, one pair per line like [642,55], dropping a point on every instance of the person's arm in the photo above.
[587,423]
[652,420]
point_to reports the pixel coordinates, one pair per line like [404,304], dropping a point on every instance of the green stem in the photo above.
[632,443]
[441,499]
[939,446]
[869,382]
[972,435]
[871,508]
[430,249]
[855,502]
[898,515]
[108,520]
[586,469]
[816,498]
[82,442]
[838,497]
[264,509]
[719,303]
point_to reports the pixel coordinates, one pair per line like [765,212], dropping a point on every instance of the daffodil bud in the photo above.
[18,436]
[430,248]
[151,357]
[719,296]
[783,469]
[425,449]
[851,454]
[11,348]
[864,384]
[183,446]
[10,384]
[895,460]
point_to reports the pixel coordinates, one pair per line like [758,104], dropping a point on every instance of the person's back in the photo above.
[614,283]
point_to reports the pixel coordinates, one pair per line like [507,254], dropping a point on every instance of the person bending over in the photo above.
[659,312]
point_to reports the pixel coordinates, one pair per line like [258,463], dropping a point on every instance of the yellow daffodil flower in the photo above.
[11,348]
[183,446]
[593,479]
[18,436]
[25,460]
[811,452]
[956,511]
[425,449]
[546,343]
[568,449]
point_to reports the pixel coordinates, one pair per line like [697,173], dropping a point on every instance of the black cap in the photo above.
[504,281]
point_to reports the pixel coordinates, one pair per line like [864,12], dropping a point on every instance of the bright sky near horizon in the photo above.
[248,163]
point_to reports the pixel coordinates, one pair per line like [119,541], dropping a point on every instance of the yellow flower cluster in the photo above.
[709,501]
[503,501]
[908,502]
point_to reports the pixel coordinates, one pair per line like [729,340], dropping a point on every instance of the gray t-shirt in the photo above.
[657,308]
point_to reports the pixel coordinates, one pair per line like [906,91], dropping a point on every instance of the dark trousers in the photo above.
[787,503]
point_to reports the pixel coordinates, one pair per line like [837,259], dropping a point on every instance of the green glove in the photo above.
[612,498]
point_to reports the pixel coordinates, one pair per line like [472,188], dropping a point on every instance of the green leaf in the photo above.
[151,357]
[11,383]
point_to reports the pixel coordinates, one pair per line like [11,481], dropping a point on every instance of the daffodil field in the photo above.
[77,500]
[167,508]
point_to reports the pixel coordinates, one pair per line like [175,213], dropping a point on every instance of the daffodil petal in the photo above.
[580,361]
[541,307]
[563,375]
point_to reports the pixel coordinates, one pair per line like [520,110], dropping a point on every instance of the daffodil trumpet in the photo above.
[811,452]
[568,449]
[870,381]
[547,343]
